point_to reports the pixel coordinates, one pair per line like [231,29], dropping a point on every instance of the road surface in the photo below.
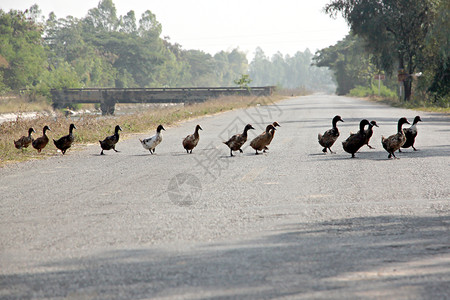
[292,223]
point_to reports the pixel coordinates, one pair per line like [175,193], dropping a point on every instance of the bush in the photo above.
[362,91]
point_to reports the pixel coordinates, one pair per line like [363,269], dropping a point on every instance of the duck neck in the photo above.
[245,132]
[361,128]
[196,132]
[334,123]
[399,127]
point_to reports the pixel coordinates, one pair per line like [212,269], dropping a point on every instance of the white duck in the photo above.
[151,143]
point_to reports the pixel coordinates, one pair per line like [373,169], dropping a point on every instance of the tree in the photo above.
[103,17]
[21,47]
[128,23]
[243,81]
[393,29]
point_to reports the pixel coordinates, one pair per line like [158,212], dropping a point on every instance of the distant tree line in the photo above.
[107,50]
[403,39]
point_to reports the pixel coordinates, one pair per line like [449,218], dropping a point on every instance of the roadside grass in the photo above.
[14,103]
[91,128]
[413,104]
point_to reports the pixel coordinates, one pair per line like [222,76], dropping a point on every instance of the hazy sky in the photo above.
[287,26]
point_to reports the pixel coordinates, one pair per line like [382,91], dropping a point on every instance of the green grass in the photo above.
[413,104]
[92,128]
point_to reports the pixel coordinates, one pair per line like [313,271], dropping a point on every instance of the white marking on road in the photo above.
[252,174]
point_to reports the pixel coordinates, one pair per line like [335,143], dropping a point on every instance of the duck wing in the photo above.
[328,138]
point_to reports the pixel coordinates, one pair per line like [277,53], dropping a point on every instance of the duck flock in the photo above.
[404,138]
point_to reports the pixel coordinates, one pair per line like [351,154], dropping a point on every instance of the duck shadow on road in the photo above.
[397,256]
[381,155]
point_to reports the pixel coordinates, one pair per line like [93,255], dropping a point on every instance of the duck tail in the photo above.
[319,136]
[141,141]
[226,143]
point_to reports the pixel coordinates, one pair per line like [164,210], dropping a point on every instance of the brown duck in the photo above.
[110,142]
[272,131]
[262,140]
[410,134]
[327,139]
[191,141]
[25,141]
[236,141]
[395,141]
[41,141]
[66,141]
[355,141]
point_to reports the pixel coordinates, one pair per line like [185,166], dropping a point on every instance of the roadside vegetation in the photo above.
[91,128]
[406,42]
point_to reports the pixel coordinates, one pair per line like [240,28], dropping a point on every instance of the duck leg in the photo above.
[101,153]
[231,152]
[114,148]
[353,155]
[331,151]
[240,150]
[414,148]
[370,146]
[256,152]
[324,150]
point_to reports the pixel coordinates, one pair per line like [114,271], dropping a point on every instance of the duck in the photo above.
[66,141]
[410,134]
[262,140]
[236,141]
[191,141]
[395,141]
[327,139]
[272,131]
[355,141]
[110,141]
[369,132]
[151,143]
[41,141]
[25,141]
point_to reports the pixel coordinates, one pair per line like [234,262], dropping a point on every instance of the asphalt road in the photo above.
[292,223]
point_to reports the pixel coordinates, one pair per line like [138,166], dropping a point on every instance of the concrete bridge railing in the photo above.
[108,97]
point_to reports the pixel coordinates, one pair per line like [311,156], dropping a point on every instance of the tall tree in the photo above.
[391,27]
[22,50]
[103,17]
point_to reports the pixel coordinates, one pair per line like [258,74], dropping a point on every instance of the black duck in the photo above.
[110,142]
[66,141]
[355,141]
